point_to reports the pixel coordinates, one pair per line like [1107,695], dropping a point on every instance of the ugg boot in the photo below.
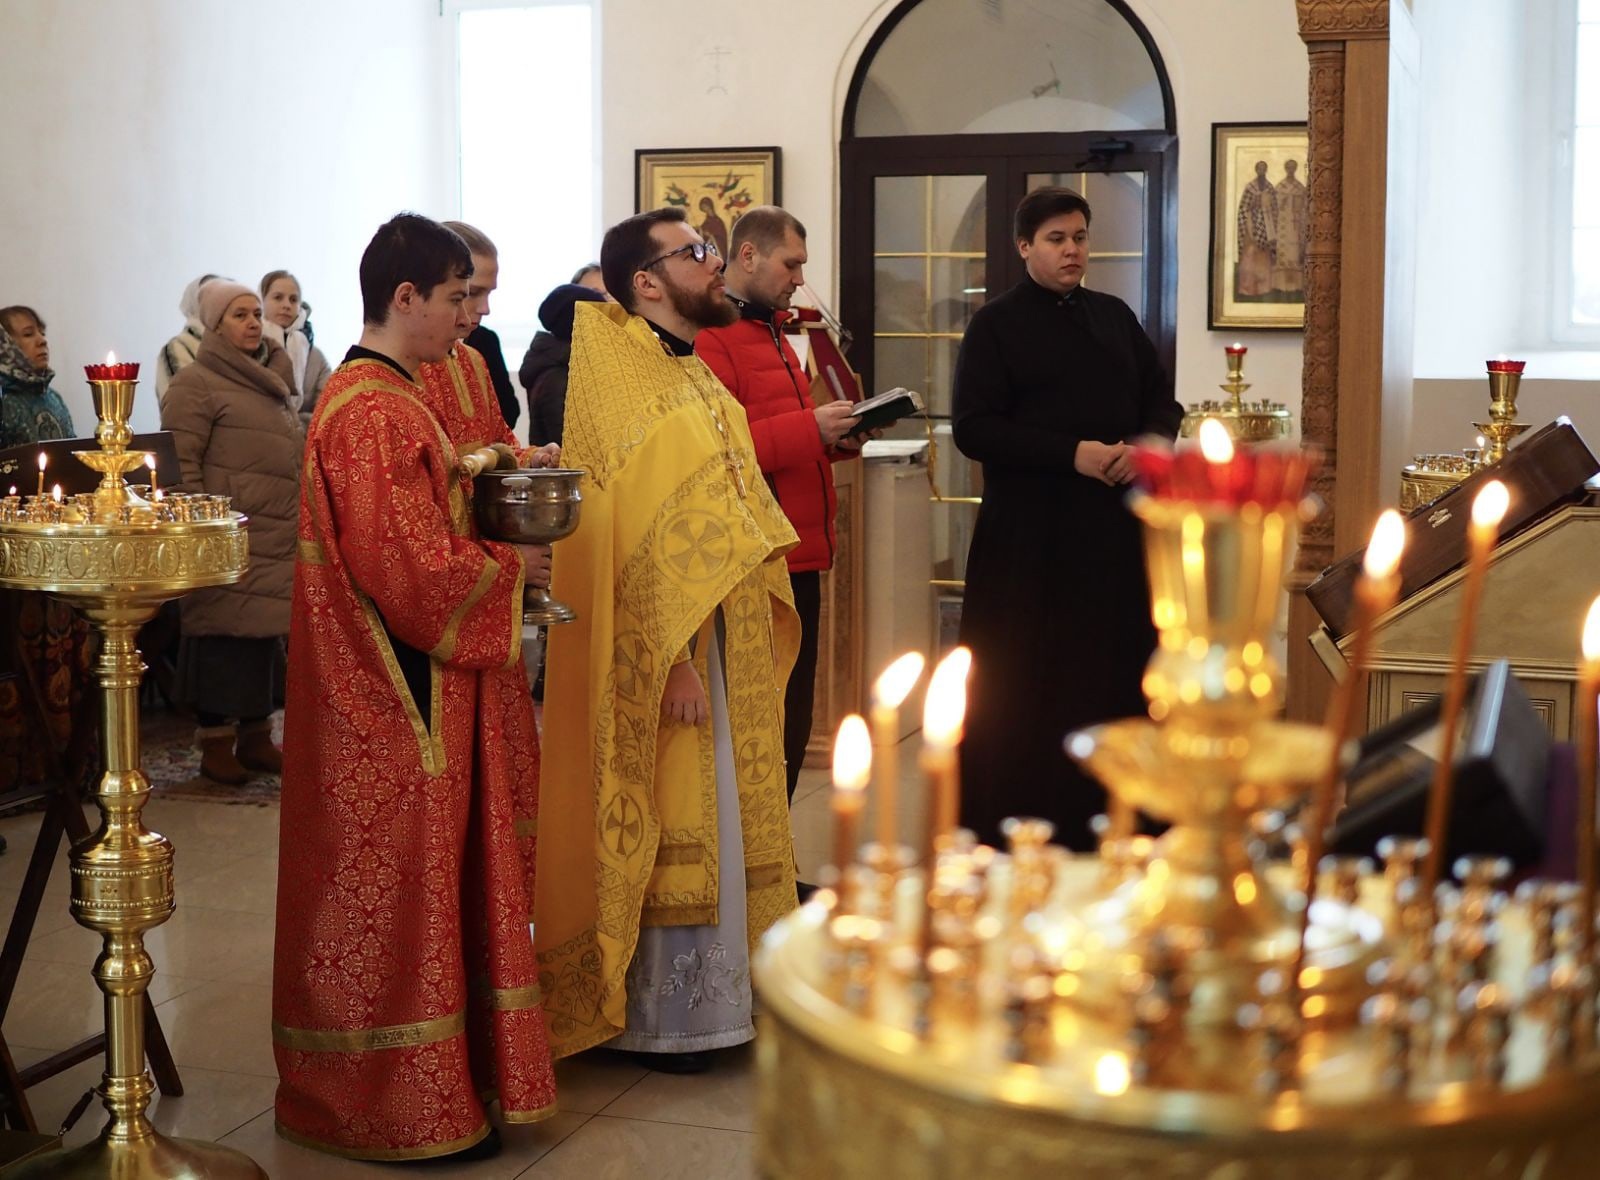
[217,762]
[255,748]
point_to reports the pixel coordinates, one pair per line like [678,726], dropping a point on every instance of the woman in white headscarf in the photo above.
[182,348]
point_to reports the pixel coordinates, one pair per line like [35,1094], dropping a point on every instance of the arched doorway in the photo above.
[956,110]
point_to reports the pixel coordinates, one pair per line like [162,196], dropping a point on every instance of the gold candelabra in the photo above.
[116,556]
[1173,1007]
[1249,422]
[1429,476]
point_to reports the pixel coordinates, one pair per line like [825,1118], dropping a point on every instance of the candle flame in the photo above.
[150,461]
[852,755]
[43,461]
[1489,509]
[1215,444]
[111,358]
[946,705]
[1388,541]
[1481,441]
[1237,347]
[1591,632]
[897,680]
[55,493]
[1111,1074]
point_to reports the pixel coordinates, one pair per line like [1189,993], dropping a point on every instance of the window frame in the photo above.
[1560,126]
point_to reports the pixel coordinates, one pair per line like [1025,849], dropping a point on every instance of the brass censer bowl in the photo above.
[531,506]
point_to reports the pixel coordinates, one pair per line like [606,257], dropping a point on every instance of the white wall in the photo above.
[1237,62]
[145,143]
[1470,251]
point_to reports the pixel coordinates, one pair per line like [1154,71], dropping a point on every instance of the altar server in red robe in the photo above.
[404,985]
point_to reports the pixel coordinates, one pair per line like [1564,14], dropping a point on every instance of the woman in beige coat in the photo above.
[233,419]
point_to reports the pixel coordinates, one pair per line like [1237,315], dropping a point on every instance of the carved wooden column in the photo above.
[1356,392]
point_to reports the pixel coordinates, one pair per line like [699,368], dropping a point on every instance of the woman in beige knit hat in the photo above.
[232,416]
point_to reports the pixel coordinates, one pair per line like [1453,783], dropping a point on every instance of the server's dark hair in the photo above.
[409,248]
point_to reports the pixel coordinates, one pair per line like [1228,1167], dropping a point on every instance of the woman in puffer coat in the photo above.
[233,418]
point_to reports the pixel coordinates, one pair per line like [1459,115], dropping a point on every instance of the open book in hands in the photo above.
[885,409]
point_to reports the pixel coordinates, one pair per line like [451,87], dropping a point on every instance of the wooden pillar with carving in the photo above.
[1356,377]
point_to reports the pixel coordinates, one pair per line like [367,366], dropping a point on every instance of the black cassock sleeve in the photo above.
[983,413]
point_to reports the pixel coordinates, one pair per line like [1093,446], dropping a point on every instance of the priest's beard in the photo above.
[704,309]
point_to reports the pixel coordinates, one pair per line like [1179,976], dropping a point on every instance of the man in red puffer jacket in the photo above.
[796,441]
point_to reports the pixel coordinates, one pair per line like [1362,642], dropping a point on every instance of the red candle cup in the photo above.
[1506,366]
[1268,476]
[121,371]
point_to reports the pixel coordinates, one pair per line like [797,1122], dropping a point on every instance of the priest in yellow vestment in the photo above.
[664,842]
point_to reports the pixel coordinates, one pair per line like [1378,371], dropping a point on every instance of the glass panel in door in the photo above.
[930,273]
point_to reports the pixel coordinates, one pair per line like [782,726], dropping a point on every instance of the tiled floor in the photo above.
[212,992]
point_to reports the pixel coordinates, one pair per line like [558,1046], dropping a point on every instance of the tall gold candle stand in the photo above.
[116,558]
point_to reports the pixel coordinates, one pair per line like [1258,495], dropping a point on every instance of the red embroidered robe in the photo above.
[404,982]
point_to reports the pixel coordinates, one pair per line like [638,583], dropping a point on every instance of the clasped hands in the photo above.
[535,558]
[1110,463]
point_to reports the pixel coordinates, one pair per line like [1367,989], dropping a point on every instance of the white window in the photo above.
[1576,266]
[527,124]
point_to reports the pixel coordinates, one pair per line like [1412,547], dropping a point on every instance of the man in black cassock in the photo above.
[1053,384]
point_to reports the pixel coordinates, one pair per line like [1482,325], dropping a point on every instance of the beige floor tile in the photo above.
[222,1026]
[57,1004]
[214,828]
[589,1082]
[524,1146]
[723,1097]
[196,942]
[607,1148]
[248,884]
[212,1104]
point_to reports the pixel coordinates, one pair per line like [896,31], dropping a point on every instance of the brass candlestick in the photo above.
[117,564]
[1258,421]
[1216,757]
[1505,378]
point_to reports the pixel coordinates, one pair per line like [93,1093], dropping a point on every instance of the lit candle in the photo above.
[852,767]
[43,463]
[150,462]
[1215,443]
[55,493]
[943,713]
[1236,349]
[1588,733]
[1377,590]
[1488,510]
[888,694]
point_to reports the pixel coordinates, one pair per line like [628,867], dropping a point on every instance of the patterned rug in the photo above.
[172,760]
